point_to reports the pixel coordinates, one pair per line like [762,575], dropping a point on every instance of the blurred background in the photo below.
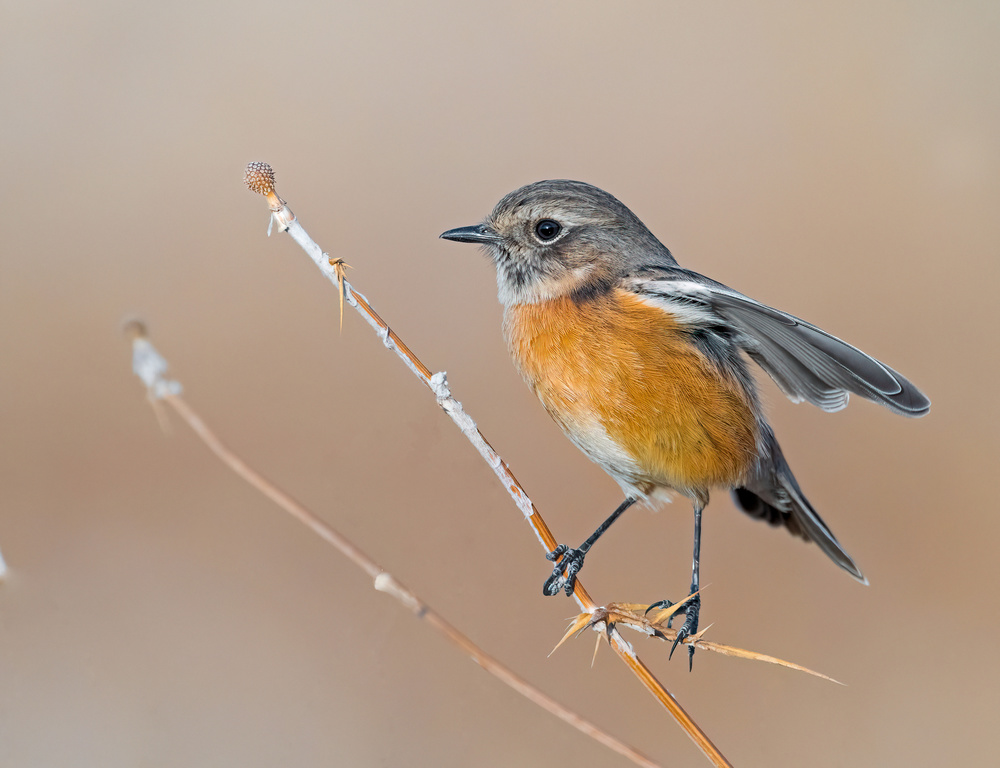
[839,161]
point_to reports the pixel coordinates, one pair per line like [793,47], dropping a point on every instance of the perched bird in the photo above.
[643,364]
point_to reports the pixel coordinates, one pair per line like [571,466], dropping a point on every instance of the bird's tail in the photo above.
[772,494]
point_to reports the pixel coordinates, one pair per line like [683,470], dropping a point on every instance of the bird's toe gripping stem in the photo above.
[571,563]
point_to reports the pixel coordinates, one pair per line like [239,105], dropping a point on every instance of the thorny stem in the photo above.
[260,178]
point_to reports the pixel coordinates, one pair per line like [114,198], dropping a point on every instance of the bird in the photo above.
[645,366]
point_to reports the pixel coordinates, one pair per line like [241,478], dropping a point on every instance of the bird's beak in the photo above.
[480,233]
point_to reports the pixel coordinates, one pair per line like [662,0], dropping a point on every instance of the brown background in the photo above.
[840,161]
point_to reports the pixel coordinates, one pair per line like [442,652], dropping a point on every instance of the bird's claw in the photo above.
[688,629]
[660,605]
[571,563]
[554,555]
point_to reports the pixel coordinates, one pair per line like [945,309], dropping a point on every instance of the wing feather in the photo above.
[806,362]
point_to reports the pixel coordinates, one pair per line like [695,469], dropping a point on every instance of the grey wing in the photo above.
[806,362]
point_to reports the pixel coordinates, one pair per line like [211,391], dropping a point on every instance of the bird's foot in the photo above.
[571,563]
[691,608]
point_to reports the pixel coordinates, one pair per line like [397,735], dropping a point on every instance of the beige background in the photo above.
[837,160]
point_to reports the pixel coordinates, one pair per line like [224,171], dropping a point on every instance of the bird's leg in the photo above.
[693,606]
[572,559]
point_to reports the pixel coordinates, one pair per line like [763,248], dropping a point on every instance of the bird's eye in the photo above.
[547,230]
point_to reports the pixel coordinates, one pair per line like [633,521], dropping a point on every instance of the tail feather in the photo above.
[773,495]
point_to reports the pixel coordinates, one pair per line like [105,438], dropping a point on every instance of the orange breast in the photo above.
[621,379]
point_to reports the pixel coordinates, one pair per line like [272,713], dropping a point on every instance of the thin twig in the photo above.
[151,367]
[259,178]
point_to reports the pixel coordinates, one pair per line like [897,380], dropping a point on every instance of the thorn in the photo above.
[696,637]
[340,267]
[609,627]
[581,622]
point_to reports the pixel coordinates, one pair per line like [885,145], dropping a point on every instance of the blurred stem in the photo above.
[385,582]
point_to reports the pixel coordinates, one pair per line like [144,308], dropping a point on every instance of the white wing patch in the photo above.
[675,297]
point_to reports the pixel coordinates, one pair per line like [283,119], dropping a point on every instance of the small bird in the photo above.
[644,366]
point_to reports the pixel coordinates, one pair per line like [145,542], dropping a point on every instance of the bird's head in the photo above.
[557,238]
